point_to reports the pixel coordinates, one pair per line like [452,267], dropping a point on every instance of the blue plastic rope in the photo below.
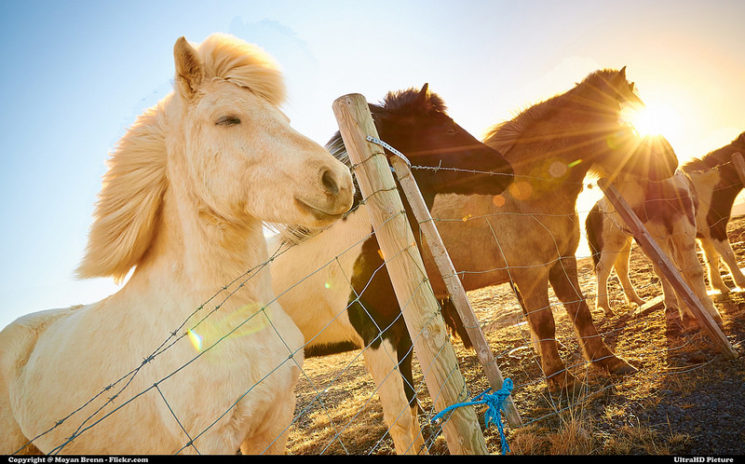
[491,416]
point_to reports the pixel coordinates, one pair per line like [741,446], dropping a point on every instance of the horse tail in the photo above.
[594,229]
[454,322]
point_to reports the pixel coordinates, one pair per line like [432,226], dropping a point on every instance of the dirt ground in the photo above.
[686,398]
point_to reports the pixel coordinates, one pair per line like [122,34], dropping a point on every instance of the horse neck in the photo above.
[533,154]
[730,184]
[547,193]
[197,254]
[634,191]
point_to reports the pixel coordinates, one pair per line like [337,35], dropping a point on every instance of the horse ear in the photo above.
[622,73]
[189,69]
[424,93]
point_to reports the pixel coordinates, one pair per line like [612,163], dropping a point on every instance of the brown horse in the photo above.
[528,235]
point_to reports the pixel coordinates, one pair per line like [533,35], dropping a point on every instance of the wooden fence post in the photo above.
[419,306]
[671,273]
[453,284]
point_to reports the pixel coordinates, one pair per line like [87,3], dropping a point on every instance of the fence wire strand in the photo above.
[527,370]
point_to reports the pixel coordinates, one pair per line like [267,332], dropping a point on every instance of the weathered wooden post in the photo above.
[671,273]
[404,264]
[453,284]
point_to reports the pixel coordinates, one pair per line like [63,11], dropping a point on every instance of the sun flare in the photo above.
[654,119]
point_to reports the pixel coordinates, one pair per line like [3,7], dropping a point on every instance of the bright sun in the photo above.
[654,119]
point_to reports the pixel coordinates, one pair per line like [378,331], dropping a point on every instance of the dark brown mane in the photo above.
[716,157]
[395,103]
[409,101]
[504,135]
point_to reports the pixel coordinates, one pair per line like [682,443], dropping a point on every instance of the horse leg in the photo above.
[405,357]
[622,271]
[602,272]
[532,293]
[563,278]
[684,245]
[711,256]
[728,255]
[12,439]
[403,424]
[272,436]
[16,343]
[672,306]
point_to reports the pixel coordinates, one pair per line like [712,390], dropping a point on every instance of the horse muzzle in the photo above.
[332,196]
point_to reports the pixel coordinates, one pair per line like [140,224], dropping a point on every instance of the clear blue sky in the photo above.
[76,74]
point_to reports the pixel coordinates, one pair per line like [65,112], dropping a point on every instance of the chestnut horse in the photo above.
[528,236]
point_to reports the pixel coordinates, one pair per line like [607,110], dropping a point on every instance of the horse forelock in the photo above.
[244,64]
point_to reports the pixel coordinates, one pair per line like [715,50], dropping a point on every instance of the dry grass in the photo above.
[602,418]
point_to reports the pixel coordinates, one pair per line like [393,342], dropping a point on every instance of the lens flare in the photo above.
[654,119]
[219,327]
[195,339]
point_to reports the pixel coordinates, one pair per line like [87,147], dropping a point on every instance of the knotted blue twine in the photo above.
[491,416]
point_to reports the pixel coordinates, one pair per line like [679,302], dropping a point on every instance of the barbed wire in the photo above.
[421,397]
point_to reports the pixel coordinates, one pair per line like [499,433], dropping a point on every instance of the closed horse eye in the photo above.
[228,121]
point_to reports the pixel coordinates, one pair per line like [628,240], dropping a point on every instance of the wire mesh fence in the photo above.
[338,402]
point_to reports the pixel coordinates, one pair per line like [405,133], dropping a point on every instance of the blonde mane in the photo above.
[127,213]
[503,136]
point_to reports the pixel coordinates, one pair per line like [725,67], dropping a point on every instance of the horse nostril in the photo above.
[329,183]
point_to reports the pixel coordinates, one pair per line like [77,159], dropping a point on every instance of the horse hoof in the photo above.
[562,382]
[609,313]
[689,323]
[616,366]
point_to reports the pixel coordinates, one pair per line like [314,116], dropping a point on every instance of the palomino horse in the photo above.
[416,123]
[183,201]
[528,236]
[668,209]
